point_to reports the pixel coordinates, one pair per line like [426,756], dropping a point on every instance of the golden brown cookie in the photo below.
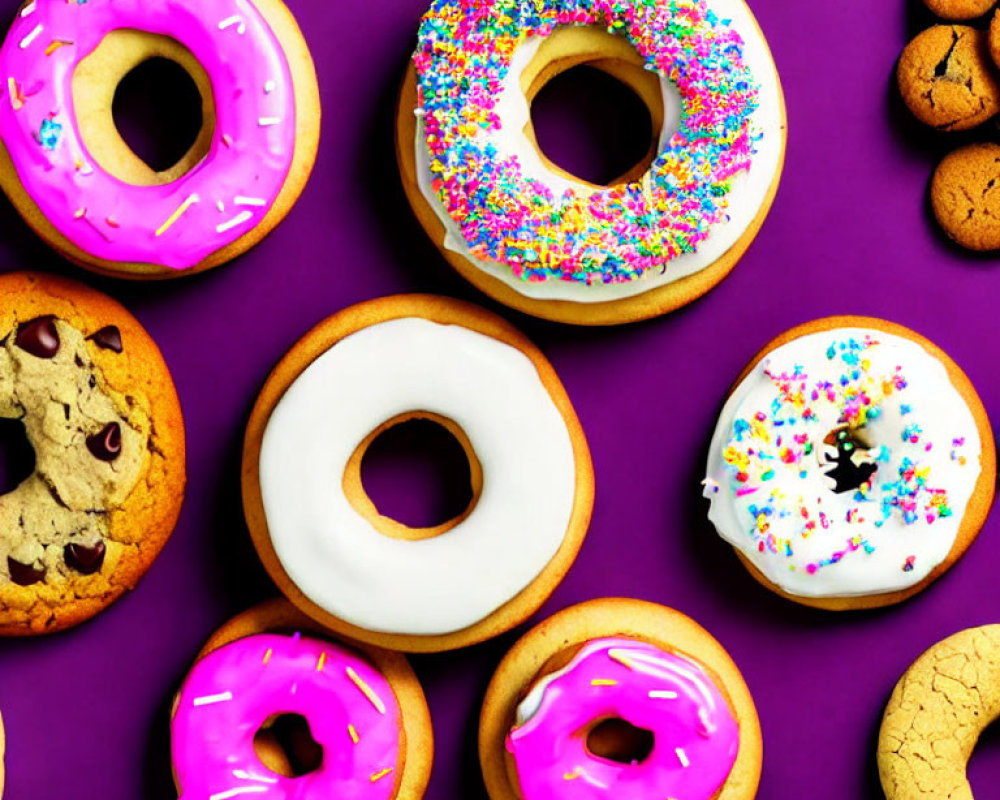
[287,751]
[100,410]
[935,715]
[994,38]
[568,47]
[378,573]
[898,495]
[543,654]
[947,79]
[95,80]
[957,10]
[965,196]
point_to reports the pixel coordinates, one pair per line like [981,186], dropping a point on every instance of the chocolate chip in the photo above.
[106,445]
[39,337]
[109,338]
[24,574]
[85,560]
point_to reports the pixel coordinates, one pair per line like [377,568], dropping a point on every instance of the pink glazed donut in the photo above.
[237,689]
[78,185]
[694,732]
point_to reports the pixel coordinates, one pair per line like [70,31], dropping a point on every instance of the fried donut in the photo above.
[76,182]
[852,464]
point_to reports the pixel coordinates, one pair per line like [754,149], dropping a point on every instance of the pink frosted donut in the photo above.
[233,691]
[694,733]
[177,222]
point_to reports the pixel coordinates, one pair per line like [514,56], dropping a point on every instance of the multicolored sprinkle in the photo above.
[610,235]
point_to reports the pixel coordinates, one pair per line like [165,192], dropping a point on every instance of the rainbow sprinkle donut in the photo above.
[851,465]
[78,184]
[506,210]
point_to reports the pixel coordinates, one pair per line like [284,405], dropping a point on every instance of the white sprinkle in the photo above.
[28,9]
[27,40]
[239,219]
[239,790]
[269,87]
[419,113]
[236,19]
[243,775]
[250,201]
[682,757]
[207,700]
[220,205]
[265,122]
[663,694]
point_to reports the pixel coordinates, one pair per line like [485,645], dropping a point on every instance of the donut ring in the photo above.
[798,572]
[549,646]
[378,581]
[404,780]
[935,715]
[76,182]
[100,410]
[495,218]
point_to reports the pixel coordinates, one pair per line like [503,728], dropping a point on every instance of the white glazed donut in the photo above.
[524,445]
[851,461]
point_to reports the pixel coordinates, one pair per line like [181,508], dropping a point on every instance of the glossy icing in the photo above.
[442,584]
[695,735]
[229,694]
[771,461]
[747,190]
[178,224]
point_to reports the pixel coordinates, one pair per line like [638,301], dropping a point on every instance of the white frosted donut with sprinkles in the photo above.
[852,464]
[75,180]
[551,244]
[367,369]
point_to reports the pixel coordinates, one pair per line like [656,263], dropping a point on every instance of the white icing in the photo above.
[748,189]
[449,582]
[937,407]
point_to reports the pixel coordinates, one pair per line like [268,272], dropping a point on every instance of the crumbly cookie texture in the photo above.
[56,524]
[102,415]
[955,10]
[936,714]
[965,196]
[946,78]
[994,38]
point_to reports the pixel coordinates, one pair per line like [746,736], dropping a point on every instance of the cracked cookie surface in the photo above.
[965,196]
[959,9]
[946,78]
[100,411]
[936,714]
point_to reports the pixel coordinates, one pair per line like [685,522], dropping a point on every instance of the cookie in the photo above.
[273,700]
[935,715]
[852,464]
[619,698]
[76,182]
[100,411]
[321,538]
[547,243]
[965,197]
[959,10]
[947,79]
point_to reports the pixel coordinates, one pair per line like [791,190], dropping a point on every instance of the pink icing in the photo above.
[350,706]
[224,196]
[696,737]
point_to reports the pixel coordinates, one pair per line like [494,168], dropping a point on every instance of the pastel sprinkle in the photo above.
[366,690]
[239,219]
[353,733]
[27,40]
[190,201]
[380,774]
[210,699]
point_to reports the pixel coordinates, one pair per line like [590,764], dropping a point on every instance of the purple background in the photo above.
[86,711]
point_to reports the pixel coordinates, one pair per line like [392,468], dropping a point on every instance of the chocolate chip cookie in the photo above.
[100,411]
[946,78]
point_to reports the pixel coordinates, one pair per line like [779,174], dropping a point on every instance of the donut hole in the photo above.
[417,474]
[144,108]
[617,740]
[846,460]
[285,745]
[592,126]
[157,111]
[17,456]
[984,765]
